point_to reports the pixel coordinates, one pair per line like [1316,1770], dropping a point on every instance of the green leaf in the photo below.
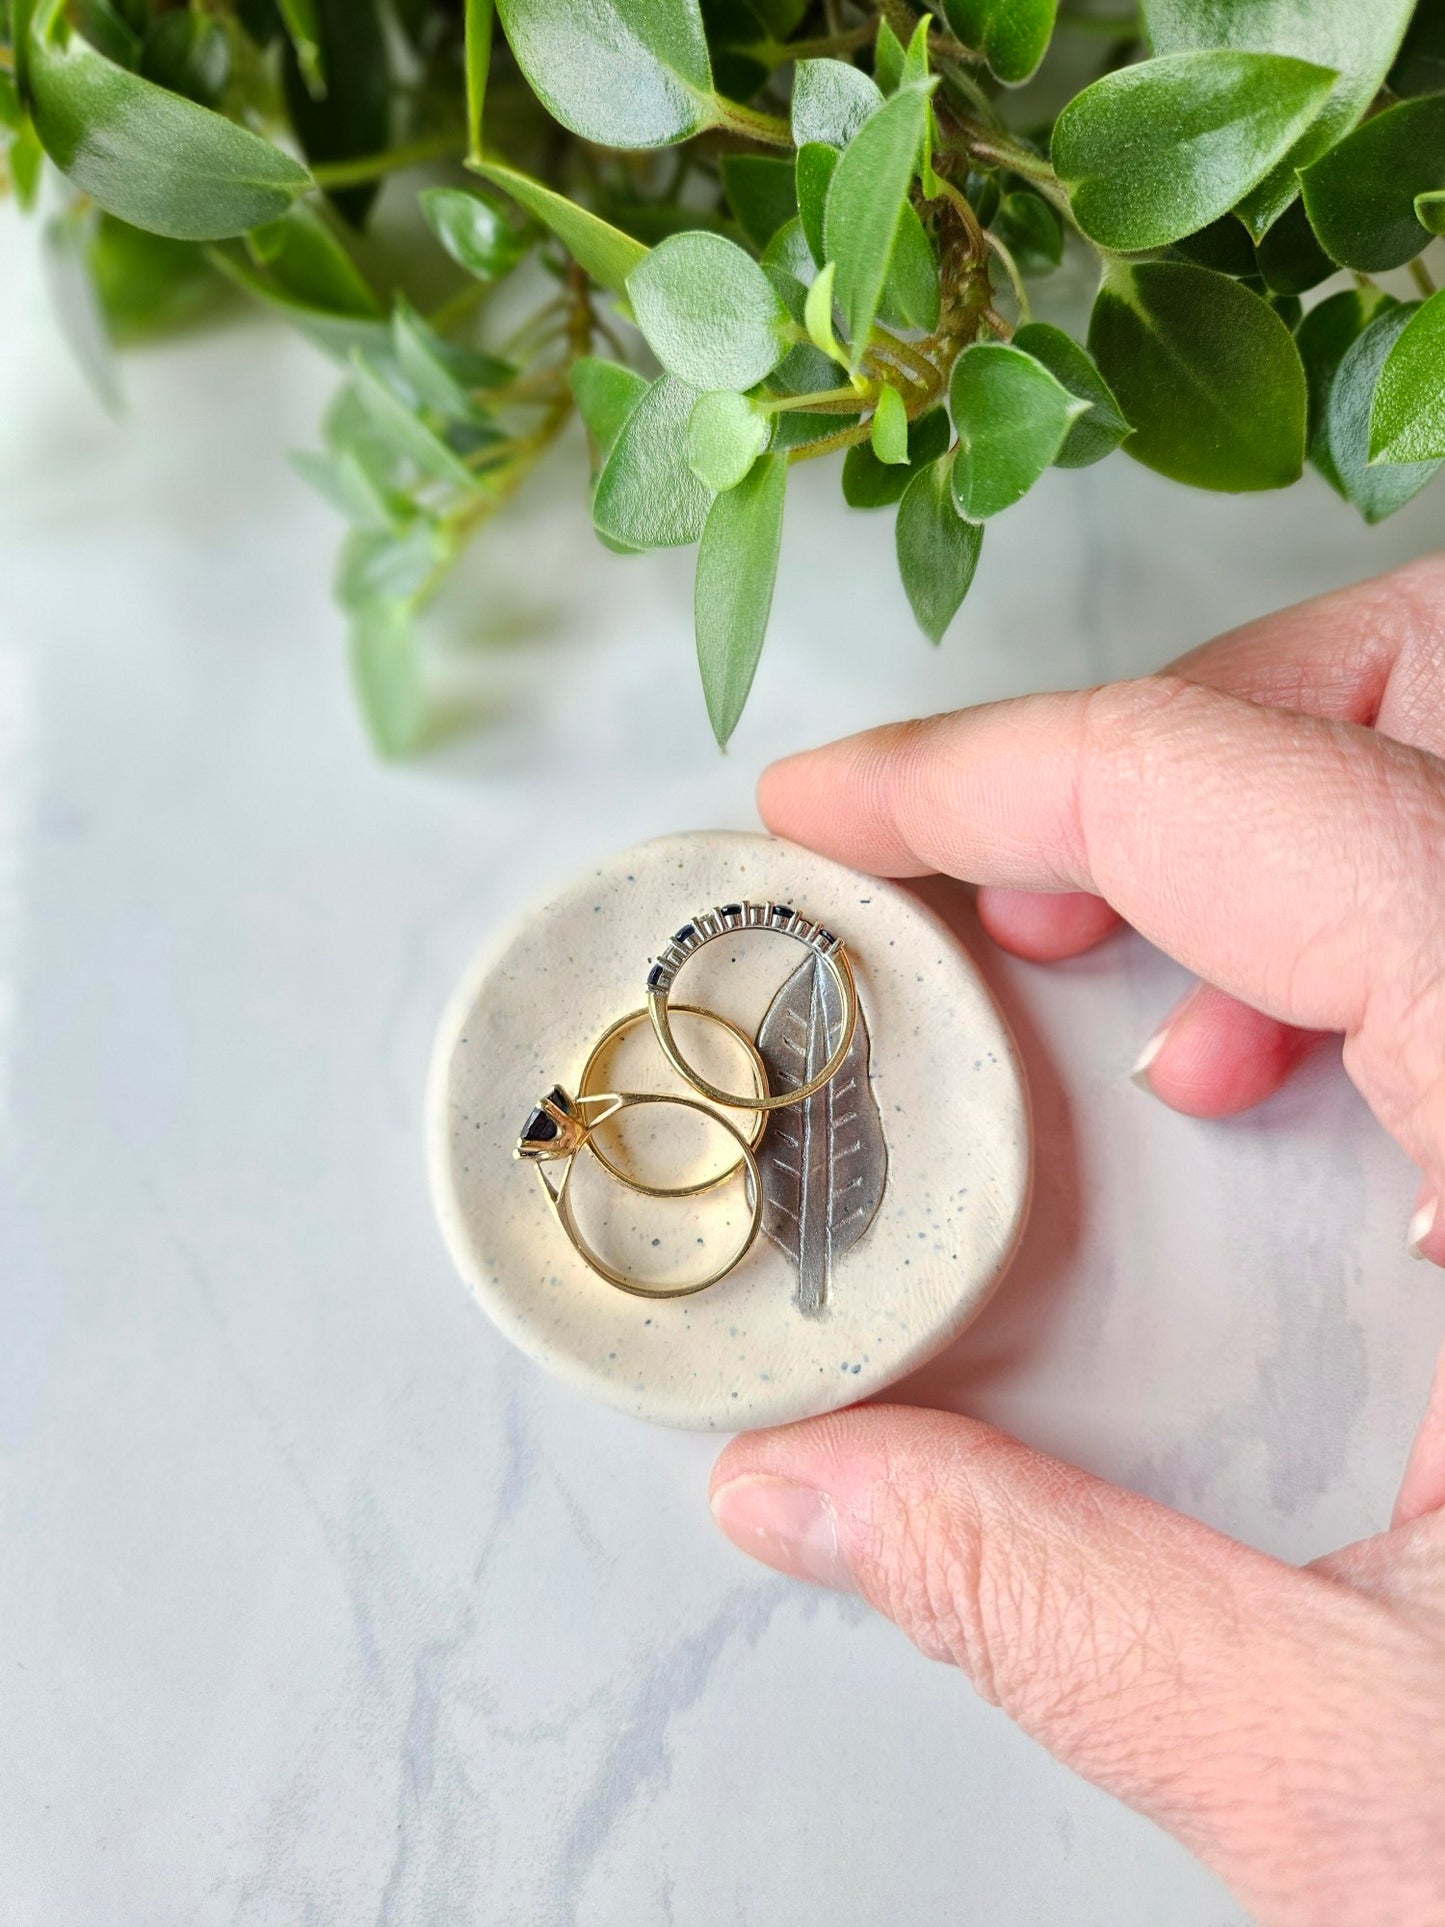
[1407,420]
[443,374]
[804,368]
[623,73]
[912,297]
[151,157]
[344,482]
[1103,428]
[606,392]
[1376,491]
[1206,372]
[1011,417]
[1012,35]
[386,673]
[145,283]
[788,252]
[304,32]
[1323,338]
[479,64]
[871,484]
[1154,151]
[818,315]
[1420,67]
[760,192]
[1290,258]
[916,70]
[1361,196]
[337,335]
[189,54]
[1430,211]
[938,550]
[737,565]
[708,311]
[887,57]
[726,433]
[601,250]
[26,160]
[1357,38]
[307,262]
[865,207]
[473,232]
[352,117]
[815,165]
[406,430]
[1031,231]
[831,101]
[889,431]
[392,564]
[647,497]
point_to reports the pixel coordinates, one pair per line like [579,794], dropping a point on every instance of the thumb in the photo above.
[1176,1668]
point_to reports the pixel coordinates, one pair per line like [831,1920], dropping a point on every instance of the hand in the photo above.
[1272,813]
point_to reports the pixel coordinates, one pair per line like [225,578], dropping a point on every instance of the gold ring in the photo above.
[760,1078]
[720,922]
[558,1130]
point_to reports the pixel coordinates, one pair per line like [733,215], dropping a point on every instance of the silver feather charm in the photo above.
[824,1161]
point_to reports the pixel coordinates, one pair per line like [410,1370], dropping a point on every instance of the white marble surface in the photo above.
[317,1603]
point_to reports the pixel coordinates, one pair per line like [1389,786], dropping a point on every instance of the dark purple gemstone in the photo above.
[654,977]
[686,934]
[539,1128]
[558,1097]
[825,937]
[730,909]
[782,913]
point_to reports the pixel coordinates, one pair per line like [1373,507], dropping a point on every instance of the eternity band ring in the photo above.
[721,922]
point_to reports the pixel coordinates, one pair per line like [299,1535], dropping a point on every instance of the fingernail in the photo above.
[1139,1074]
[1421,1225]
[790,1527]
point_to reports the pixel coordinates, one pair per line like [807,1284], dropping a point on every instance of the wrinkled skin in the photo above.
[1272,813]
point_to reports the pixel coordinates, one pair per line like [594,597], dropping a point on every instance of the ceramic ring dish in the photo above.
[894,1197]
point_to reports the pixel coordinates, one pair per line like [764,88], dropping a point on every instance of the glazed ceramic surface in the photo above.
[942,1072]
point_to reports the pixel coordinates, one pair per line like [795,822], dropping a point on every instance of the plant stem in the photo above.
[767,129]
[370,167]
[918,365]
[830,444]
[822,399]
[1011,269]
[828,45]
[1422,277]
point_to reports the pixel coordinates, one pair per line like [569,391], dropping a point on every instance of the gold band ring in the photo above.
[720,922]
[760,1079]
[558,1130]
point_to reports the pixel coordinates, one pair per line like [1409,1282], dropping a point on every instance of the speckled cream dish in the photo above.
[924,1189]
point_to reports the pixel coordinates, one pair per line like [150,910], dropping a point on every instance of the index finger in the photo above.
[1288,859]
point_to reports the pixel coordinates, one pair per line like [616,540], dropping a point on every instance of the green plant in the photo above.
[735,235]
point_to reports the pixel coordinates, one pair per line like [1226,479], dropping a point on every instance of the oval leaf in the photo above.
[1324,338]
[1012,35]
[623,73]
[1358,38]
[737,565]
[600,249]
[1361,196]
[473,233]
[938,550]
[1152,152]
[865,207]
[726,433]
[1011,417]
[1407,419]
[815,165]
[1097,433]
[1375,491]
[708,311]
[831,101]
[606,394]
[1206,372]
[647,497]
[153,158]
[871,484]
[888,431]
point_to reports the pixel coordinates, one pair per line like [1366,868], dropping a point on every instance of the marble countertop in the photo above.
[317,1603]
